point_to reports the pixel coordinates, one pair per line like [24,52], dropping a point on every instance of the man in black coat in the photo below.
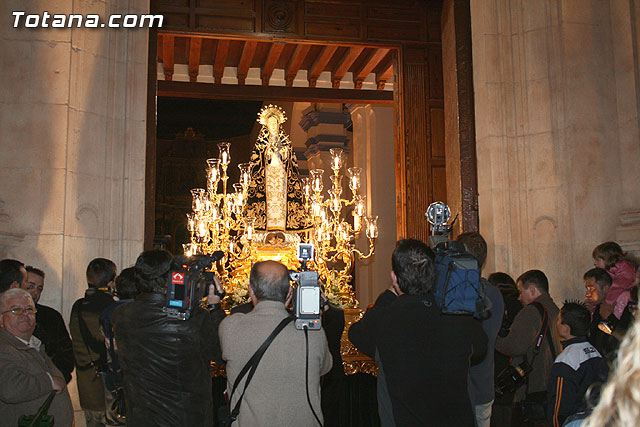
[597,283]
[423,356]
[50,327]
[165,361]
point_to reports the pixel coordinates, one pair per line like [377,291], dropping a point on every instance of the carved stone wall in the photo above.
[72,119]
[558,146]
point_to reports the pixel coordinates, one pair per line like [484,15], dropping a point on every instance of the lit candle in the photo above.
[336,154]
[202,228]
[191,224]
[354,178]
[245,175]
[223,147]
[372,227]
[187,249]
[357,224]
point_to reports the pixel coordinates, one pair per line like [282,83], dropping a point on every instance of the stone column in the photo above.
[557,132]
[374,152]
[325,126]
[72,116]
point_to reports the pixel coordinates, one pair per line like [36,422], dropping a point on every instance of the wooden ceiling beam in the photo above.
[320,63]
[220,60]
[248,50]
[384,70]
[195,45]
[167,56]
[344,64]
[295,63]
[273,93]
[270,63]
[367,66]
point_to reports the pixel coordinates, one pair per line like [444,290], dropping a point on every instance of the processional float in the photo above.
[271,209]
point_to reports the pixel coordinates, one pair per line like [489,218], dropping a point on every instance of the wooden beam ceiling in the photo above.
[365,63]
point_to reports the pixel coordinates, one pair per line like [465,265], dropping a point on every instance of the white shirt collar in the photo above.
[33,342]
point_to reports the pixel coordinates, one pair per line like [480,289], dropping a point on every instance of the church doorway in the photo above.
[363,53]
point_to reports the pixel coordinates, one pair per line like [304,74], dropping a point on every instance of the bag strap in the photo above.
[86,336]
[252,365]
[544,331]
[42,411]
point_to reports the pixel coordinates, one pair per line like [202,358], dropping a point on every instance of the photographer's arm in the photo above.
[215,316]
[522,334]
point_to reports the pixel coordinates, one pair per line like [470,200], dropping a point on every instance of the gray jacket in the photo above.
[481,376]
[25,385]
[276,394]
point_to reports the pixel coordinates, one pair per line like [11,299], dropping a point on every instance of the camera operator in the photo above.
[277,392]
[164,359]
[423,356]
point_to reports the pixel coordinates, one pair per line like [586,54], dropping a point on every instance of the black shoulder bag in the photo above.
[227,417]
[534,406]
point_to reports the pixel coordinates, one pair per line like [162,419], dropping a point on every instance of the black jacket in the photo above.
[575,369]
[423,358]
[166,362]
[51,330]
[607,344]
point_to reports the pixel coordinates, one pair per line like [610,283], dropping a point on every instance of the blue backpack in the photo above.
[459,288]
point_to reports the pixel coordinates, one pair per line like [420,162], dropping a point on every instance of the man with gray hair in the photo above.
[277,393]
[27,374]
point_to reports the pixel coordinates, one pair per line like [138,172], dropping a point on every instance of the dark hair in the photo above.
[536,278]
[34,270]
[100,272]
[9,273]
[412,263]
[475,245]
[502,280]
[600,274]
[610,252]
[575,315]
[126,284]
[269,281]
[152,269]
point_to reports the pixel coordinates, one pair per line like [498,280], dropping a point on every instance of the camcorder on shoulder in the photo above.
[188,283]
[458,288]
[307,299]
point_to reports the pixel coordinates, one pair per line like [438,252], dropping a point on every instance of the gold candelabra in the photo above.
[218,221]
[333,236]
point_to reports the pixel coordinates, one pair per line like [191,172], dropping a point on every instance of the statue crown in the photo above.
[271,110]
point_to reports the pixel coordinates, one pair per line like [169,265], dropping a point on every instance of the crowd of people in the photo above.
[526,362]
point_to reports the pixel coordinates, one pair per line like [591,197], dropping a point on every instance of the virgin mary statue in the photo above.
[275,199]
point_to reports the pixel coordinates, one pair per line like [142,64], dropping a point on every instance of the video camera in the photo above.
[458,288]
[188,283]
[307,298]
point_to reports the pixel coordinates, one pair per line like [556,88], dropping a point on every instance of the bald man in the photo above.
[277,392]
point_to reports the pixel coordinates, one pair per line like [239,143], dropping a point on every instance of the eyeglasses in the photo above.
[19,311]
